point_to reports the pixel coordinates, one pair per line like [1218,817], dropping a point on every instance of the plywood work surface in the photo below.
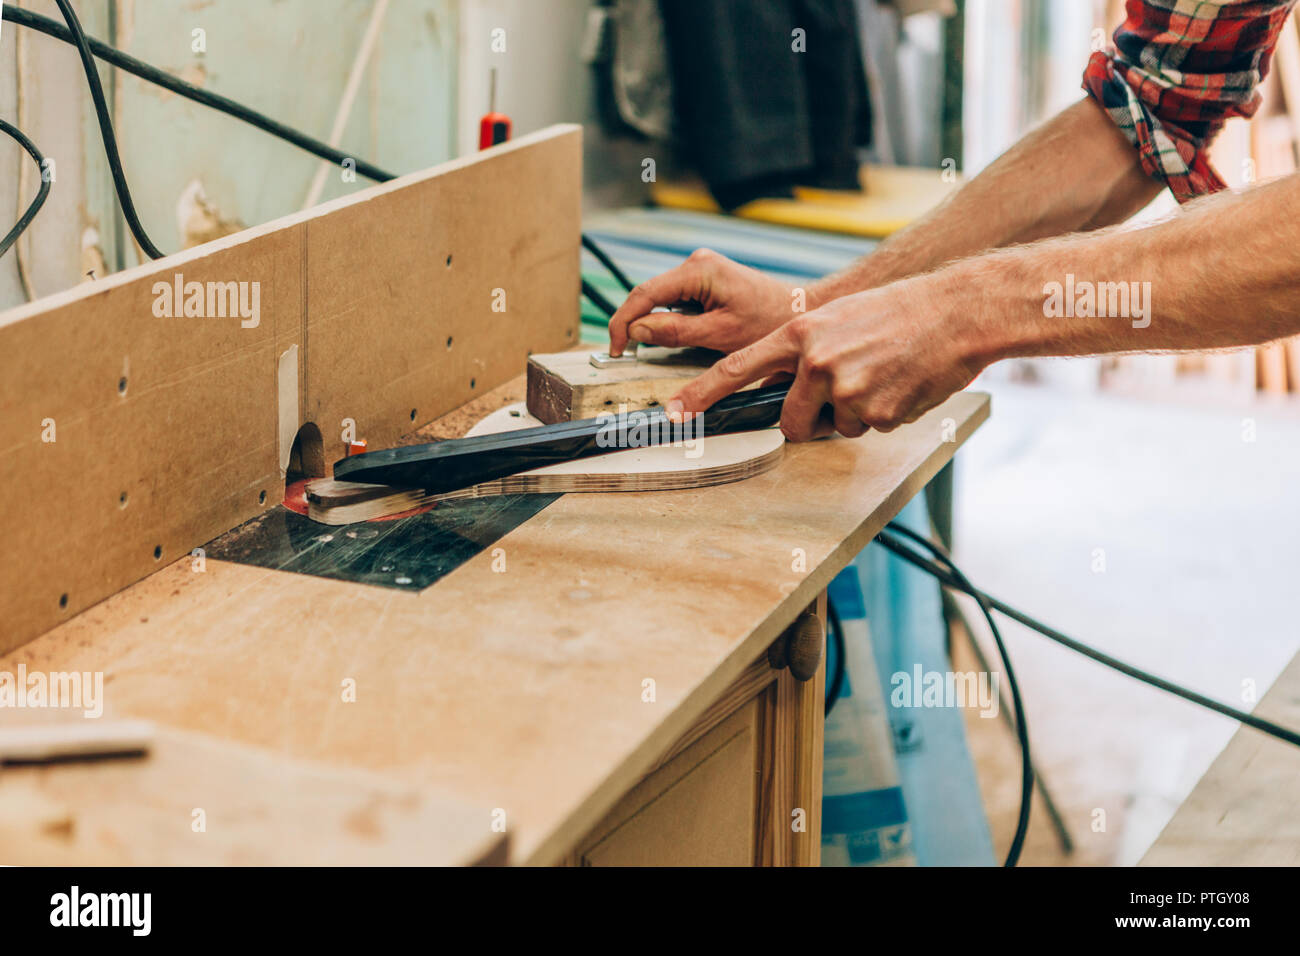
[195,800]
[542,678]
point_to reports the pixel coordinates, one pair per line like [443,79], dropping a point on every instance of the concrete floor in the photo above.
[1155,531]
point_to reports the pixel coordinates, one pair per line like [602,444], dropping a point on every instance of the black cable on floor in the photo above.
[1241,716]
[835,633]
[41,194]
[1022,730]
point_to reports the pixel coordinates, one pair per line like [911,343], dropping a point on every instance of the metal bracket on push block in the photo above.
[605,360]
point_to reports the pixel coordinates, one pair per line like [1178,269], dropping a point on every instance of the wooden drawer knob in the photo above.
[806,639]
[778,654]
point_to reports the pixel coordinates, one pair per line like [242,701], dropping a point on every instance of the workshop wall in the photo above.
[196,174]
[51,105]
[543,78]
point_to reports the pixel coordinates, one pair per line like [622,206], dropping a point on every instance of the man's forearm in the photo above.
[1074,173]
[1223,272]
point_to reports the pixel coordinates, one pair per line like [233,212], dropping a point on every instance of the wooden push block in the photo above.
[566,386]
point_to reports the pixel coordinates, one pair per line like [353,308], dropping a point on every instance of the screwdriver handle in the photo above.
[494,127]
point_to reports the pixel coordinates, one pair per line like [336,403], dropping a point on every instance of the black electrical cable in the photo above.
[598,300]
[590,245]
[835,628]
[106,131]
[41,194]
[216,101]
[1022,729]
[1250,720]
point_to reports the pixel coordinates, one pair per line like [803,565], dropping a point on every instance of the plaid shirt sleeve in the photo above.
[1180,69]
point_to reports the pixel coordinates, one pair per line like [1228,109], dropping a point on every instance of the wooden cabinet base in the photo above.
[742,787]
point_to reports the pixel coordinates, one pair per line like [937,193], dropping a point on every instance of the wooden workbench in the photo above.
[520,684]
[592,687]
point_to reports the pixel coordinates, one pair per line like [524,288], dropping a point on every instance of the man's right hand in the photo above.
[736,306]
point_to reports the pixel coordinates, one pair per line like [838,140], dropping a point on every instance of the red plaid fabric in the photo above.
[1179,70]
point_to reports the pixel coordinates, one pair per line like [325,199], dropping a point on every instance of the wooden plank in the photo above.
[797,719]
[769,843]
[518,681]
[1271,361]
[1273,144]
[197,801]
[1246,809]
[421,299]
[892,197]
[63,739]
[1292,347]
[808,704]
[166,431]
[1287,53]
[163,429]
[795,729]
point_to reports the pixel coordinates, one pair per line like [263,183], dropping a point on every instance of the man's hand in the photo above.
[879,358]
[737,306]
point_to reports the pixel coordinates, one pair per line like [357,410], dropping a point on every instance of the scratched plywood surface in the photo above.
[180,415]
[198,801]
[517,681]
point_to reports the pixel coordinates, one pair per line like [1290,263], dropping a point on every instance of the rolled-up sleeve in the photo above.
[1179,70]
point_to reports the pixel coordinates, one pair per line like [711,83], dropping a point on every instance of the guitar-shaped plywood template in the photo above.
[508,453]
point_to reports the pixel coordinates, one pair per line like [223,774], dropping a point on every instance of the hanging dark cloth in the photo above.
[760,105]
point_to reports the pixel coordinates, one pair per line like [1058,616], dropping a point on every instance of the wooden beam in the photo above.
[565,386]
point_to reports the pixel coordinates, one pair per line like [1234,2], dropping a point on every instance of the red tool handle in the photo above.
[493,128]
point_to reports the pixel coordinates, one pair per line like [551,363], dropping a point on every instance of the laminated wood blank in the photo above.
[565,386]
[712,461]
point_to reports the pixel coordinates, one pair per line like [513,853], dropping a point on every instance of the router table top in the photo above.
[514,683]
